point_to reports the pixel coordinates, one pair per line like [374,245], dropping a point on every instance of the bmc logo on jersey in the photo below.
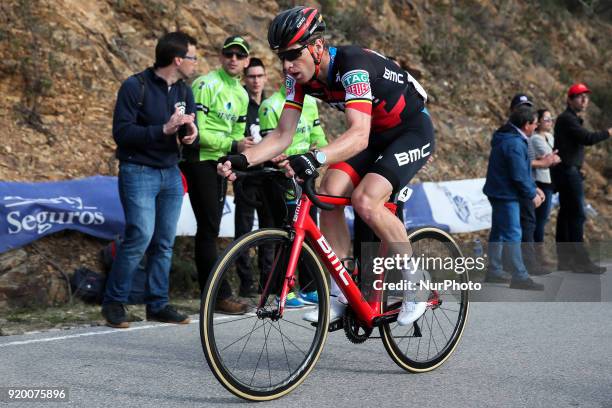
[393,76]
[356,82]
[412,155]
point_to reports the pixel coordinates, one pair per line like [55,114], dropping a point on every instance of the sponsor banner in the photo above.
[29,211]
[460,204]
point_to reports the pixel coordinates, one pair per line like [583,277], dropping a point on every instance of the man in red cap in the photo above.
[570,139]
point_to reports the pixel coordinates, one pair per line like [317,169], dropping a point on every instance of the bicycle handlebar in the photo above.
[309,190]
[308,187]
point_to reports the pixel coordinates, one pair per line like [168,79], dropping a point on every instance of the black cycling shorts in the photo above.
[396,154]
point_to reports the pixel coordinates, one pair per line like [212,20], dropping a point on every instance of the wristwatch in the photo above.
[319,156]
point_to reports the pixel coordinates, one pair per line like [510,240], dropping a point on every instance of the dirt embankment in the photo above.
[62,61]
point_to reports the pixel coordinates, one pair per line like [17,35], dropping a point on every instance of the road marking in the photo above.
[111,331]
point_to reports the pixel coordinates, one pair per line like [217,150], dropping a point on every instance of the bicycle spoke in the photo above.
[260,354]
[299,325]
[242,337]
[284,348]
[449,320]
[245,344]
[268,356]
[431,337]
[441,328]
[250,316]
[294,345]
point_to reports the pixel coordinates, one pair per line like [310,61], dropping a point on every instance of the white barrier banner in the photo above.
[456,206]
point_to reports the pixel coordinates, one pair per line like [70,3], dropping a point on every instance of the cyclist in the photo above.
[389,137]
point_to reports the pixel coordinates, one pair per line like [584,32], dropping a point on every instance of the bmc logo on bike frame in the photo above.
[412,155]
[333,259]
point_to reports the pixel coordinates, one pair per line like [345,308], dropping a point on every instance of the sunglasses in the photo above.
[291,55]
[189,57]
[230,54]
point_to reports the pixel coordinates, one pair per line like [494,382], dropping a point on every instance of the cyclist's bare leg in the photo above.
[333,224]
[369,200]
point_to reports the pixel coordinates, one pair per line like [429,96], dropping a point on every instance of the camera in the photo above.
[183,131]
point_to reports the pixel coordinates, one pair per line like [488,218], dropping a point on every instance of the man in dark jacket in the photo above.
[570,139]
[151,108]
[508,181]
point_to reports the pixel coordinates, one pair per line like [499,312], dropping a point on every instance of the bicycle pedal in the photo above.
[337,325]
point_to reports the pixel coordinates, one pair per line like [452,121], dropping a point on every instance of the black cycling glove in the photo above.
[239,161]
[304,165]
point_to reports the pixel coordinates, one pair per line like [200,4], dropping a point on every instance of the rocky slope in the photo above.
[62,61]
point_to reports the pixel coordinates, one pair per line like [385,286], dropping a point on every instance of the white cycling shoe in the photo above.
[410,312]
[336,311]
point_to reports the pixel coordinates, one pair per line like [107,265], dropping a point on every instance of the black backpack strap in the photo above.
[140,77]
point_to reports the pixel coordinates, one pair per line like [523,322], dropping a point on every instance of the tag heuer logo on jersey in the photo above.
[289,82]
[290,87]
[356,82]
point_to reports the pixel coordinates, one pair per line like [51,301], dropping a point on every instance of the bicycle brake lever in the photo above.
[297,188]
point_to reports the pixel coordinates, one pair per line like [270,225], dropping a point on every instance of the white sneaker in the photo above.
[336,310]
[410,312]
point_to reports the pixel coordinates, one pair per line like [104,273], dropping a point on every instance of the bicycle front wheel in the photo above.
[259,355]
[429,342]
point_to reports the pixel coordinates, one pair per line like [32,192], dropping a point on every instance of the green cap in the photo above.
[238,41]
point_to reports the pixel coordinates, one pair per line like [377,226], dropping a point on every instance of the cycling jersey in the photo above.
[308,132]
[402,135]
[221,106]
[366,81]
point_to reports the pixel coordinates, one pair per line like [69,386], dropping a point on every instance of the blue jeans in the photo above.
[151,200]
[542,212]
[506,235]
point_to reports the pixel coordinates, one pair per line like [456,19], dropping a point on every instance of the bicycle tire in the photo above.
[392,342]
[211,332]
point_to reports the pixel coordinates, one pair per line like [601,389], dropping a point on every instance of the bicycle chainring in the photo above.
[355,333]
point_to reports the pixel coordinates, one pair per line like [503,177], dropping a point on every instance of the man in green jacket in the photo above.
[221,109]
[309,132]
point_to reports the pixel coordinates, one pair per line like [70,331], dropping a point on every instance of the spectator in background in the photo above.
[221,104]
[509,180]
[527,209]
[542,158]
[255,81]
[570,139]
[151,108]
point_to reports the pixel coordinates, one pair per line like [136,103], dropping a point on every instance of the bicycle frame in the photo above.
[305,227]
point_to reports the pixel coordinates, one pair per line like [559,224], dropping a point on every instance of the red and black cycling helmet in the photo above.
[298,25]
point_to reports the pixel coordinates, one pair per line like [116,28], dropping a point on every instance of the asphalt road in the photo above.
[511,355]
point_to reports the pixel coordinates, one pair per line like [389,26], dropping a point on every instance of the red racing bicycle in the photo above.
[268,352]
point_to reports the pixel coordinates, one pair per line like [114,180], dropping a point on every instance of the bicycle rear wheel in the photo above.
[259,356]
[429,342]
